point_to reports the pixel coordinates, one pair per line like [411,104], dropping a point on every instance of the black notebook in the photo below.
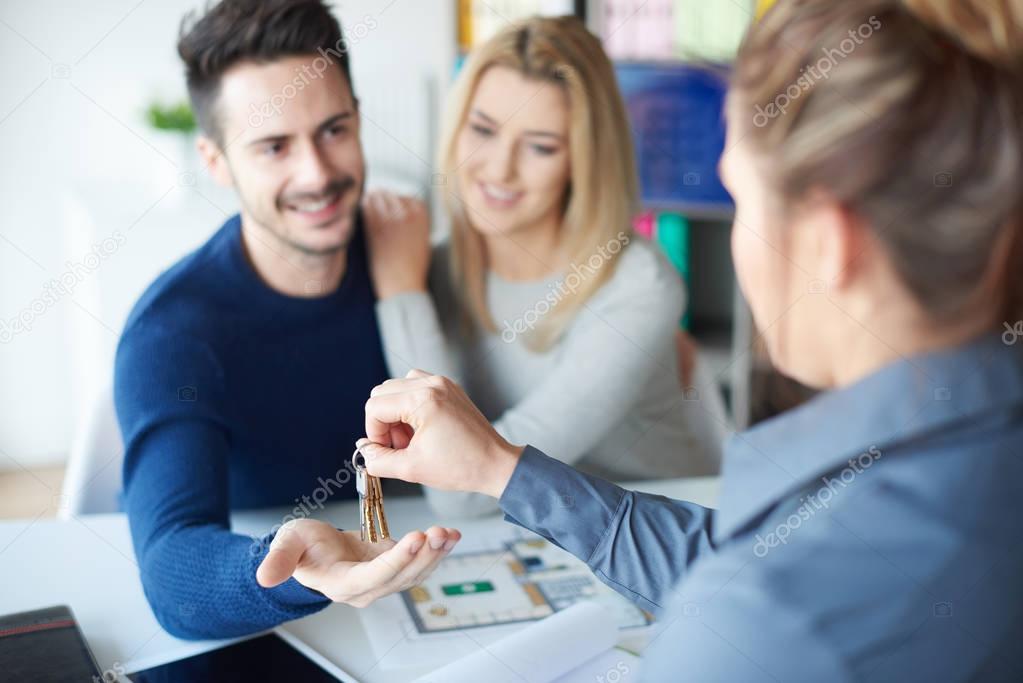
[45,646]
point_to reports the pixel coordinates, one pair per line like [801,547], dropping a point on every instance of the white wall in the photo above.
[81,166]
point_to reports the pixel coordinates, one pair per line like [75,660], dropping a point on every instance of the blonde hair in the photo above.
[603,189]
[917,128]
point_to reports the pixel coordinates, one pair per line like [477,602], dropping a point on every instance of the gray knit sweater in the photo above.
[605,398]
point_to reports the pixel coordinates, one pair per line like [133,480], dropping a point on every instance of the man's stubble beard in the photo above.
[273,229]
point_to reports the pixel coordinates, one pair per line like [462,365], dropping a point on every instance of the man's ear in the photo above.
[214,161]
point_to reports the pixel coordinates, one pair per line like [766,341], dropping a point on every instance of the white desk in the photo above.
[88,564]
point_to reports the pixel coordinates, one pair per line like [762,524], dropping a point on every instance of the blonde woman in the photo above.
[556,320]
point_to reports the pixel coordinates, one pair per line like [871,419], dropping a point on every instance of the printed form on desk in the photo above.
[499,589]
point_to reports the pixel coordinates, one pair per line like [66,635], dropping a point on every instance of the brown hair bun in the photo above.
[990,29]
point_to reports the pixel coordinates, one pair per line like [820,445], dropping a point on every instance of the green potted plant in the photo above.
[173,134]
[174,117]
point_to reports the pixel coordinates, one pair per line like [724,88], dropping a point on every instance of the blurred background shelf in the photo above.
[702,213]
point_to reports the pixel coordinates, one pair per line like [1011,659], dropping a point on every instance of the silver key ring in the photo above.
[358,460]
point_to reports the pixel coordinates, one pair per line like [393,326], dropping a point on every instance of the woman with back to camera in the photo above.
[874,532]
[558,323]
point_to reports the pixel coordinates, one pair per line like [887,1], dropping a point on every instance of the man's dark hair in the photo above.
[260,31]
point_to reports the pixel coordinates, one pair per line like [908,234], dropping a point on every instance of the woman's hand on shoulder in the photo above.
[398,240]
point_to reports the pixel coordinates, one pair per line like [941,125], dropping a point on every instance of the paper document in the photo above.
[576,644]
[486,591]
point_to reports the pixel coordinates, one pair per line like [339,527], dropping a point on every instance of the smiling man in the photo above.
[242,372]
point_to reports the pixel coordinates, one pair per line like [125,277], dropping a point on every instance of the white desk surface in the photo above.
[88,564]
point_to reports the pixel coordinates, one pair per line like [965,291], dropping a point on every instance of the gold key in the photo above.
[372,520]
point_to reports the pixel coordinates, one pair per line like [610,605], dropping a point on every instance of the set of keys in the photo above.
[372,520]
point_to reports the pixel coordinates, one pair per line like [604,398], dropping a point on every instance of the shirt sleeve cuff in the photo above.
[571,509]
[292,593]
[409,302]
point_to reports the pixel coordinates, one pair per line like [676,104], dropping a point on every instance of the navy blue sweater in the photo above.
[231,395]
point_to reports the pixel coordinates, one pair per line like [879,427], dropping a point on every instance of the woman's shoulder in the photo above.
[642,258]
[643,276]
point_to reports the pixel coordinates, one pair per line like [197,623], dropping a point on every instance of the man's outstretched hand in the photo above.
[347,569]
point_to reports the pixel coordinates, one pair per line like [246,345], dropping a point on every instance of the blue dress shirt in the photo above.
[875,534]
